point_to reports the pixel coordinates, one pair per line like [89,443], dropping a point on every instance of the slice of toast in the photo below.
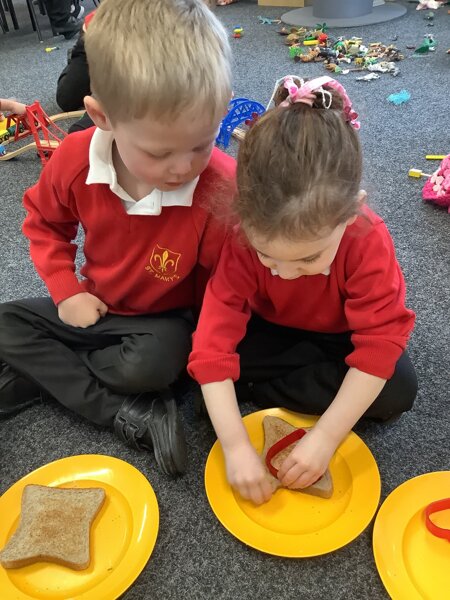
[275,429]
[54,527]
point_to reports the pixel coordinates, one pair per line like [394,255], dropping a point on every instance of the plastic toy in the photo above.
[238,32]
[368,77]
[435,156]
[433,4]
[28,121]
[417,173]
[439,505]
[295,52]
[428,45]
[400,98]
[266,21]
[437,188]
[2,150]
[240,110]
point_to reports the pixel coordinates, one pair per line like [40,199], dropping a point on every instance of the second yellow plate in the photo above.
[413,564]
[122,536]
[293,524]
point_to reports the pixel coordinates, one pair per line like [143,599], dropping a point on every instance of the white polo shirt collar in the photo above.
[101,170]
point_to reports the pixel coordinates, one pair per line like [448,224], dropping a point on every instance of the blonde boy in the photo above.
[108,345]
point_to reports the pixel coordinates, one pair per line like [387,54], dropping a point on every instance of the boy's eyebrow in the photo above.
[311,256]
[167,150]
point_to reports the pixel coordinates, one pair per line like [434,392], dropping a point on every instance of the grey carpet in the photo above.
[195,557]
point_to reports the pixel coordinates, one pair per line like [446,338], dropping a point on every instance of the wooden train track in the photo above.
[51,145]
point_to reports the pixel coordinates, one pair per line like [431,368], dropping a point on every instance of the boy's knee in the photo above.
[145,365]
[8,315]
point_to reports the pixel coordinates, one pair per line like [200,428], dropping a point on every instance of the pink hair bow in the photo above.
[305,94]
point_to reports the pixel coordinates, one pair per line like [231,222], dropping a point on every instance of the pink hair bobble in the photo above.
[305,94]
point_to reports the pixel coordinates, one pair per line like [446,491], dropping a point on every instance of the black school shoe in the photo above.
[16,392]
[70,28]
[151,421]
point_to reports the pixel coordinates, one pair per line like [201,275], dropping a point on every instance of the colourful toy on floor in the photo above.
[437,188]
[240,110]
[24,121]
[32,121]
[401,98]
[238,32]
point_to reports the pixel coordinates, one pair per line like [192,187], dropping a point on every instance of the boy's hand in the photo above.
[81,310]
[308,461]
[247,475]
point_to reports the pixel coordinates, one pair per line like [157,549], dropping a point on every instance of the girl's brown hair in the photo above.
[299,170]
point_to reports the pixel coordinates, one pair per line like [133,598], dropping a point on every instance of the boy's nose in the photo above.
[182,166]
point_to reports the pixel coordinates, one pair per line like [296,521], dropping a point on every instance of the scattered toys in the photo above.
[51,48]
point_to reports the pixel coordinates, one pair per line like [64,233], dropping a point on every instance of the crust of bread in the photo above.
[275,429]
[54,527]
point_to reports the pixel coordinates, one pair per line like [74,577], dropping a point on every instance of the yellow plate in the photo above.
[122,536]
[293,524]
[413,564]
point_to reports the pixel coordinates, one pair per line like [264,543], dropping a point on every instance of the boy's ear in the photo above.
[95,110]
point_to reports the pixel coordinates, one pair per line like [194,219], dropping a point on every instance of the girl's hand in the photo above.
[246,473]
[308,461]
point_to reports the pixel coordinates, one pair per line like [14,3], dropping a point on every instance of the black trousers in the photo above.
[303,370]
[58,11]
[74,82]
[92,370]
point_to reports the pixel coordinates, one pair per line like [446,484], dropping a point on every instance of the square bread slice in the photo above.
[54,527]
[275,429]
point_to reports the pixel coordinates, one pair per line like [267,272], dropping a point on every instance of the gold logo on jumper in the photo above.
[164,263]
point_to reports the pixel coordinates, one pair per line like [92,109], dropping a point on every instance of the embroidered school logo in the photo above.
[164,263]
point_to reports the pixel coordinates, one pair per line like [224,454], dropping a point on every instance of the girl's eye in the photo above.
[310,260]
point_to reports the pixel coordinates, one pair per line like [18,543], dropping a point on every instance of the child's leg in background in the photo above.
[302,371]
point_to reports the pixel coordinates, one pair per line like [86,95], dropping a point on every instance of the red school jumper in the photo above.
[135,264]
[364,294]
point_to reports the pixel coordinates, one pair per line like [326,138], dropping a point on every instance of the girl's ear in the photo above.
[361,199]
[95,110]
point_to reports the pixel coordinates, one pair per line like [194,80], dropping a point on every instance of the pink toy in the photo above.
[437,188]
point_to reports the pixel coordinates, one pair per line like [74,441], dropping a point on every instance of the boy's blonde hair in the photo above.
[158,57]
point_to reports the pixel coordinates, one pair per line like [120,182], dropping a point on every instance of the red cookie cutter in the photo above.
[289,439]
[434,507]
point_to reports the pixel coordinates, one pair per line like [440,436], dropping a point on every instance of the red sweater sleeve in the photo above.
[224,316]
[375,304]
[51,225]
